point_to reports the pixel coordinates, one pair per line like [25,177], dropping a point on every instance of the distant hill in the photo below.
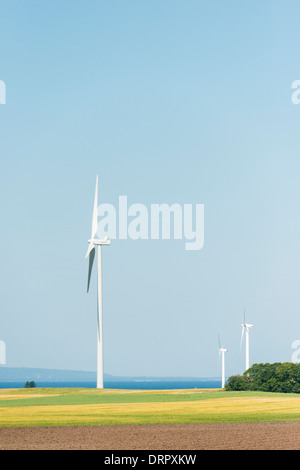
[20,374]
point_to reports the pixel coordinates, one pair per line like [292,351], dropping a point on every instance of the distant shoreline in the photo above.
[135,385]
[17,376]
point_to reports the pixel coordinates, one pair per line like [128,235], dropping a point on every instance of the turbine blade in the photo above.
[91,261]
[242,336]
[219,341]
[95,215]
[91,246]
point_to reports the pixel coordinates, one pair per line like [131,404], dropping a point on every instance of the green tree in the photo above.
[30,384]
[278,377]
[239,382]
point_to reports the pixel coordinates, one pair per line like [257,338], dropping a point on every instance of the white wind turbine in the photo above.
[93,243]
[245,329]
[222,352]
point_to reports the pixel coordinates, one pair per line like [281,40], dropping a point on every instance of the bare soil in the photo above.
[225,436]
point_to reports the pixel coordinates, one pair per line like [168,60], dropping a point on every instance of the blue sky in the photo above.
[168,101]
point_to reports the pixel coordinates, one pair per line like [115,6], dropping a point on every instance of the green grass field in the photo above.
[74,406]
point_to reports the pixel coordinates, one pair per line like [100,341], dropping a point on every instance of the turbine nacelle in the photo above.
[221,350]
[247,325]
[97,241]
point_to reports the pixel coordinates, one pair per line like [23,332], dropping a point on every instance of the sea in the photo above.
[126,385]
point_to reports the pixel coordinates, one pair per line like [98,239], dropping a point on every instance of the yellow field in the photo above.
[138,413]
[60,407]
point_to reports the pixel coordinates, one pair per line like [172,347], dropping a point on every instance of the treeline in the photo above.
[283,377]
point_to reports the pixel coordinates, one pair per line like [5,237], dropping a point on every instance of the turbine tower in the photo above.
[245,329]
[222,352]
[93,243]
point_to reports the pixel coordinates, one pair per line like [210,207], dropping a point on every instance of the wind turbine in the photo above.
[222,352]
[93,243]
[245,329]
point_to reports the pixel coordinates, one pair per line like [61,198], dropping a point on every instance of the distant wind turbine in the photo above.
[245,329]
[93,243]
[222,352]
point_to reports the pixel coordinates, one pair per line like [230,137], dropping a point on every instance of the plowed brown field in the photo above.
[225,436]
